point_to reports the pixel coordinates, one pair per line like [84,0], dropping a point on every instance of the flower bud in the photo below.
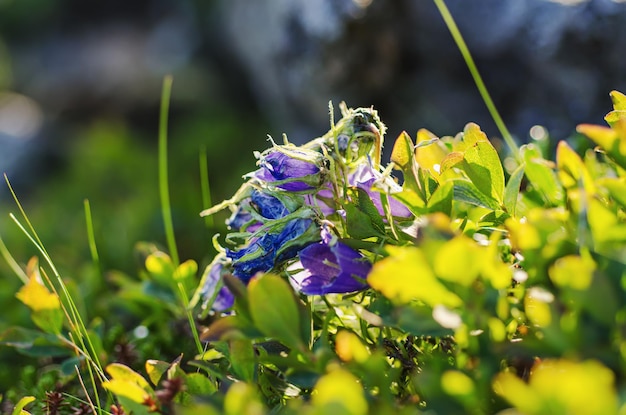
[275,242]
[214,294]
[292,169]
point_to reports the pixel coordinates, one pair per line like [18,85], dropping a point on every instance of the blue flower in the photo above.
[213,293]
[330,268]
[291,169]
[263,204]
[279,242]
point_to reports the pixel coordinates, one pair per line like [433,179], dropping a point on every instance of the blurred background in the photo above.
[80,84]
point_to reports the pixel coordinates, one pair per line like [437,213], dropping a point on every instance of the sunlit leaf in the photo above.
[612,140]
[349,347]
[465,191]
[156,369]
[541,175]
[45,306]
[429,152]
[459,260]
[243,359]
[18,409]
[242,398]
[126,382]
[160,267]
[339,393]
[482,165]
[406,275]
[512,189]
[619,108]
[585,388]
[186,270]
[274,310]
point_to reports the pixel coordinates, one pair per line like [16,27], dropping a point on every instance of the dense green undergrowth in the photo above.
[471,288]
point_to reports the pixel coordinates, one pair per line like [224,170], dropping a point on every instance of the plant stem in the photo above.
[166,207]
[91,237]
[469,61]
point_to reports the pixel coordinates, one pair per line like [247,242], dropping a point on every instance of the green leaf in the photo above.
[459,260]
[45,306]
[616,188]
[130,387]
[362,217]
[572,170]
[402,153]
[274,309]
[612,140]
[465,191]
[541,175]
[243,359]
[198,384]
[160,267]
[33,342]
[511,191]
[185,271]
[19,407]
[430,152]
[482,165]
[619,108]
[441,200]
[406,275]
[155,370]
[339,393]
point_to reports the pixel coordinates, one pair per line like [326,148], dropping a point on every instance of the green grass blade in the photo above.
[471,65]
[205,187]
[166,207]
[12,262]
[91,236]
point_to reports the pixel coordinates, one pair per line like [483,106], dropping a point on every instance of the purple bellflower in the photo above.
[366,178]
[271,245]
[213,293]
[291,169]
[263,204]
[329,267]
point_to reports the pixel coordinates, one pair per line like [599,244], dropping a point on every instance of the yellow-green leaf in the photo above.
[349,347]
[402,153]
[582,388]
[19,407]
[572,271]
[339,393]
[482,165]
[127,383]
[274,309]
[571,169]
[186,270]
[37,297]
[45,306]
[612,140]
[541,175]
[459,260]
[155,370]
[430,152]
[406,275]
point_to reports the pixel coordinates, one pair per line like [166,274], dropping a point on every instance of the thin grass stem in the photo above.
[205,187]
[471,65]
[12,262]
[166,206]
[93,249]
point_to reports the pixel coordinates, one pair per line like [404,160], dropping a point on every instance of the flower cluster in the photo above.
[293,214]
